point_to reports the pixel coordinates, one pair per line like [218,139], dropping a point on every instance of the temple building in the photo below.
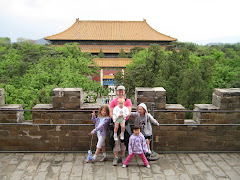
[110,37]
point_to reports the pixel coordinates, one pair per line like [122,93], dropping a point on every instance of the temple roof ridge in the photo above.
[109,30]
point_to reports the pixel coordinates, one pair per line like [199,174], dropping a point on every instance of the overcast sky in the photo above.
[199,21]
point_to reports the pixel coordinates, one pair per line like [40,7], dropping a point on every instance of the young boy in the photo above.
[120,112]
[137,145]
[144,120]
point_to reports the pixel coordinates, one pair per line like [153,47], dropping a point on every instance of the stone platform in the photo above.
[72,166]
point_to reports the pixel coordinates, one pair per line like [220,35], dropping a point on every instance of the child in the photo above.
[101,125]
[144,120]
[137,145]
[120,112]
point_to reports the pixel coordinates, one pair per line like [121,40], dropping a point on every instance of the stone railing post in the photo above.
[67,98]
[2,97]
[148,96]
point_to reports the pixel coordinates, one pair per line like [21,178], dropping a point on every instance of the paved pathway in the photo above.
[71,166]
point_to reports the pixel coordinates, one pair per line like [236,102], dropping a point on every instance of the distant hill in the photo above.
[41,41]
[217,41]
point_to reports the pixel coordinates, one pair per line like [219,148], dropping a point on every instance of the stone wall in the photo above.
[67,123]
[223,99]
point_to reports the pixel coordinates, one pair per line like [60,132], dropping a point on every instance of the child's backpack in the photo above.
[89,157]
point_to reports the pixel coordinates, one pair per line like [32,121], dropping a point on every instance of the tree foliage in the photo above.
[101,54]
[122,54]
[28,72]
[187,71]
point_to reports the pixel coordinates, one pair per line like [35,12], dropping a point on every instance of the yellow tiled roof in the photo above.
[107,48]
[111,31]
[108,76]
[112,62]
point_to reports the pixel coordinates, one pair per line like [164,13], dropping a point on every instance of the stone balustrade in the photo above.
[54,130]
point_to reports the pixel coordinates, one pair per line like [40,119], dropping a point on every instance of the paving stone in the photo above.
[27,177]
[172,158]
[148,178]
[179,167]
[215,157]
[69,157]
[209,176]
[133,169]
[75,178]
[98,171]
[8,169]
[43,166]
[53,171]
[208,161]
[192,169]
[145,172]
[17,175]
[111,175]
[2,164]
[158,177]
[231,159]
[184,177]
[15,159]
[195,158]
[122,173]
[201,166]
[233,175]
[77,171]
[88,168]
[31,170]
[237,168]
[28,157]
[40,176]
[169,172]
[66,167]
[185,159]
[79,159]
[224,166]
[37,158]
[197,177]
[64,175]
[156,169]
[171,178]
[218,172]
[71,167]
[48,157]
[164,164]
[23,164]
[134,176]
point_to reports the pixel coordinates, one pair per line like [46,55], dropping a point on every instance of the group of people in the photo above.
[138,142]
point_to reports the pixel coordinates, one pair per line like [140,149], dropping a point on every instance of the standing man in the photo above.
[120,145]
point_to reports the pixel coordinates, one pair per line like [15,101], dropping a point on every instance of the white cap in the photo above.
[120,88]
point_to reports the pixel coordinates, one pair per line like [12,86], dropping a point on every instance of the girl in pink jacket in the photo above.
[137,145]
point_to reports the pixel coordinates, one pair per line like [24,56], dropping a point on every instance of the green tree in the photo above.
[5,41]
[101,54]
[122,54]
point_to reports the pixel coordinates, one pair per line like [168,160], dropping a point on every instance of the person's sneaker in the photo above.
[115,137]
[103,159]
[124,166]
[122,136]
[91,161]
[148,166]
[115,161]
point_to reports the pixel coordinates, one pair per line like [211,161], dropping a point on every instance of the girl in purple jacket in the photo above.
[101,125]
